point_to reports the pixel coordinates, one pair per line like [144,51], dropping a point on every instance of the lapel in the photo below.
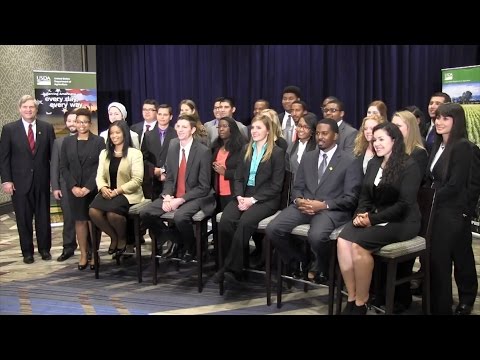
[176,164]
[38,137]
[21,130]
[191,158]
[90,148]
[331,166]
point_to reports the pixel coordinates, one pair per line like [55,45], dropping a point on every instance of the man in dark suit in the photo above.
[155,147]
[185,197]
[346,133]
[149,113]
[429,131]
[25,154]
[325,199]
[60,190]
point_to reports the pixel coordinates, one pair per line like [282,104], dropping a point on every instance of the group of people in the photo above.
[366,179]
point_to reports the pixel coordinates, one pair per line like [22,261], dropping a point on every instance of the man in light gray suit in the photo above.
[223,107]
[325,199]
[346,133]
[60,191]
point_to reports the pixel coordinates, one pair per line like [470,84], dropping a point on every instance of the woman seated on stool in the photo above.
[119,180]
[387,212]
[227,149]
[258,186]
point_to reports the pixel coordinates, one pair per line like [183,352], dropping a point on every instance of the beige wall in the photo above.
[17,63]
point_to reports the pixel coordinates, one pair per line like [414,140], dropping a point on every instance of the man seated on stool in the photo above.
[187,189]
[325,199]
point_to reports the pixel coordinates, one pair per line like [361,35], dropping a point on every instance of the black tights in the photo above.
[114,225]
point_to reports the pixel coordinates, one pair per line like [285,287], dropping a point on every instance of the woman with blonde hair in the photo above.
[407,123]
[257,193]
[276,128]
[363,142]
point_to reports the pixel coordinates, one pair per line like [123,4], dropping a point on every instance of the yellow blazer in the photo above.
[129,175]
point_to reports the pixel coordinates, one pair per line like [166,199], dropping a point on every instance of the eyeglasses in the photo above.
[82,122]
[325,110]
[305,127]
[144,109]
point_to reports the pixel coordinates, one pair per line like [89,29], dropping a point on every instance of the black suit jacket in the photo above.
[18,163]
[268,179]
[231,166]
[138,128]
[197,177]
[394,202]
[78,173]
[451,177]
[155,155]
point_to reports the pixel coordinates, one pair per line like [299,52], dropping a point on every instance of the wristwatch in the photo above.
[254,200]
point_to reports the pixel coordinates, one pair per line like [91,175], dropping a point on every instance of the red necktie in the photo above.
[31,138]
[181,176]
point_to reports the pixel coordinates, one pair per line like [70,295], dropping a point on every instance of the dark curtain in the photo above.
[400,75]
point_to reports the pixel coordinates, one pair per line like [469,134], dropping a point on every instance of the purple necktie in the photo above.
[162,136]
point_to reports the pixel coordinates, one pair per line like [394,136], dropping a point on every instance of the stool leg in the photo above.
[268,270]
[95,245]
[154,257]
[136,231]
[279,279]
[198,239]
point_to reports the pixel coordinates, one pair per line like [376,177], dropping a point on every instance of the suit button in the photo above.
[31,170]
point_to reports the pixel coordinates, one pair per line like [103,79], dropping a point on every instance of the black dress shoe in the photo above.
[28,259]
[65,255]
[219,276]
[463,309]
[321,278]
[45,255]
[233,277]
[187,257]
[172,252]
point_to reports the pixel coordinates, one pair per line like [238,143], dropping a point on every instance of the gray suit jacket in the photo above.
[339,187]
[213,131]
[346,137]
[56,178]
[198,175]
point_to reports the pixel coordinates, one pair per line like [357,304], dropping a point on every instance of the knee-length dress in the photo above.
[392,208]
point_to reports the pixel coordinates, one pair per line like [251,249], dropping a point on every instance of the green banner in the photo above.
[60,91]
[463,86]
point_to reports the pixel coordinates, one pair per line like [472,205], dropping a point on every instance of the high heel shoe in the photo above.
[92,266]
[82,267]
[112,249]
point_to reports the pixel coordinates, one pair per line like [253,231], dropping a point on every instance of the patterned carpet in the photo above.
[59,288]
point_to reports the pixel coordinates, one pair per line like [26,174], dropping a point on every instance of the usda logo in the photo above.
[448,76]
[43,80]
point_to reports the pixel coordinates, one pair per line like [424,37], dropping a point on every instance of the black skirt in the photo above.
[375,237]
[119,204]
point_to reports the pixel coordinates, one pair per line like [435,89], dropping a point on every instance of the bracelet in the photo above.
[116,192]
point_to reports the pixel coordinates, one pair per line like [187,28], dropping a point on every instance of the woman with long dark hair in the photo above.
[387,212]
[119,180]
[448,171]
[226,149]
